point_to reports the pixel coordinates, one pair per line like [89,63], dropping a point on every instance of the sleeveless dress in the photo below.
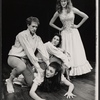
[72,43]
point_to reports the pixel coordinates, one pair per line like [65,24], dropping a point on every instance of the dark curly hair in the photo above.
[53,83]
[60,39]
[59,7]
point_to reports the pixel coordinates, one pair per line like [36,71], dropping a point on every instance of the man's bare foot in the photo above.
[9,86]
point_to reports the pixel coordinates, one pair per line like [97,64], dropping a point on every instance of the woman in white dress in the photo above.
[71,40]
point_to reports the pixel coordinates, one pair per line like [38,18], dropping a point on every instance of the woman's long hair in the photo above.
[53,83]
[59,7]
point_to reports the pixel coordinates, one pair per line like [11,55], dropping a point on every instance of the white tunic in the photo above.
[26,45]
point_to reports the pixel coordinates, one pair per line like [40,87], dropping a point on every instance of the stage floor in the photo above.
[84,90]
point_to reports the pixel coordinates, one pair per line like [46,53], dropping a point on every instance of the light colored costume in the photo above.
[52,50]
[72,43]
[37,79]
[55,54]
[26,45]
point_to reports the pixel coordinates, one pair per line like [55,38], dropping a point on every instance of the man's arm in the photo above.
[29,51]
[43,52]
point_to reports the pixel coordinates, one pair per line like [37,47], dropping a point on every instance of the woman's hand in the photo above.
[62,28]
[74,26]
[61,50]
[69,95]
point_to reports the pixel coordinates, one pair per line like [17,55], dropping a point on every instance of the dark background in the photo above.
[15,12]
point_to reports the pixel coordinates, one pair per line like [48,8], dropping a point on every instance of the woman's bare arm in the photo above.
[55,16]
[81,14]
[71,87]
[33,92]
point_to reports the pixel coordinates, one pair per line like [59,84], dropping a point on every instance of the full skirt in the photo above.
[72,43]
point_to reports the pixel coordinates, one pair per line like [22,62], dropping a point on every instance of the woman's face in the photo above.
[63,3]
[50,72]
[55,41]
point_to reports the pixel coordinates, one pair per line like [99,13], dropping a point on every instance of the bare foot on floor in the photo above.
[9,86]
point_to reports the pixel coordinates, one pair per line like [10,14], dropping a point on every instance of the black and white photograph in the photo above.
[49,50]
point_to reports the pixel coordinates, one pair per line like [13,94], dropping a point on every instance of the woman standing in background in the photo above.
[71,40]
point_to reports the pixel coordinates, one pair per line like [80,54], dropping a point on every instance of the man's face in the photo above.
[33,27]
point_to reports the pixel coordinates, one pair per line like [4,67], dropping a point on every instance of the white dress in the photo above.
[72,43]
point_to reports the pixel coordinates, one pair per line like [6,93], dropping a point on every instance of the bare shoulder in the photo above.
[74,9]
[56,13]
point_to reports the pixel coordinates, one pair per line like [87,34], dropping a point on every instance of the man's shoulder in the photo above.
[23,32]
[38,37]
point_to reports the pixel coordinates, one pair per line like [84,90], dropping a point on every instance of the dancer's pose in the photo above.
[23,51]
[71,40]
